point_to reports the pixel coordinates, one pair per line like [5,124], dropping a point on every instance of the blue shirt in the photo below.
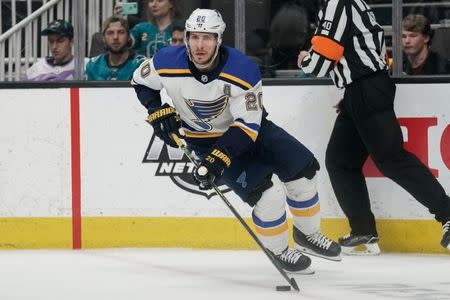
[98,68]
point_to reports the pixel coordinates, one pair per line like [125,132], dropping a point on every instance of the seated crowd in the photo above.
[121,48]
[124,49]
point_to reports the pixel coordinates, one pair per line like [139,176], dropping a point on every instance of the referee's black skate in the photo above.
[317,244]
[293,261]
[360,244]
[446,235]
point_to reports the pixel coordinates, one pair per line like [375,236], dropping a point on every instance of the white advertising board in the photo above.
[35,148]
[35,153]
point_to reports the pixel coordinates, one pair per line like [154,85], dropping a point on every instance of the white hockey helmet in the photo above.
[205,20]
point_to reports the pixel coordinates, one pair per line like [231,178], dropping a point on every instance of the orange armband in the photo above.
[327,47]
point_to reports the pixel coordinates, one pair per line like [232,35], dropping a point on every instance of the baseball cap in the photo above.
[60,27]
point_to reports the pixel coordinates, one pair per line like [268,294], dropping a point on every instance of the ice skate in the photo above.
[317,244]
[446,235]
[293,261]
[359,244]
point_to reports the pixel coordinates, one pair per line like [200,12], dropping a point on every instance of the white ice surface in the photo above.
[214,275]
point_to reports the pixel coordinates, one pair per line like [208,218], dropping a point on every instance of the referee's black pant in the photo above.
[367,125]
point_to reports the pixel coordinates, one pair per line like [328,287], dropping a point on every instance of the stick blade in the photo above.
[294,284]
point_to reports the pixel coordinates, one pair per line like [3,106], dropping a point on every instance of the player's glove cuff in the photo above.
[211,168]
[165,121]
[162,112]
[222,156]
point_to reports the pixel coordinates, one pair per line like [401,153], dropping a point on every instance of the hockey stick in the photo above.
[188,154]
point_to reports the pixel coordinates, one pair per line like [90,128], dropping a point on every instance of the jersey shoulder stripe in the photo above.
[240,70]
[171,60]
[234,80]
[174,72]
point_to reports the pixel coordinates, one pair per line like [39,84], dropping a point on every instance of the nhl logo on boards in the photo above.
[172,162]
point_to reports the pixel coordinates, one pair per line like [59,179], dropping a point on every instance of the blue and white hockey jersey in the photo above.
[222,107]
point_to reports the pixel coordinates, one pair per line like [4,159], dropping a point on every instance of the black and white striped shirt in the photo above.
[348,43]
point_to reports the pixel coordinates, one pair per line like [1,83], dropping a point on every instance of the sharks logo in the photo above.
[205,111]
[173,163]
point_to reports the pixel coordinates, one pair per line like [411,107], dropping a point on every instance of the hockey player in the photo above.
[217,93]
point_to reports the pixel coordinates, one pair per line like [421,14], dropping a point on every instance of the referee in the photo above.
[349,45]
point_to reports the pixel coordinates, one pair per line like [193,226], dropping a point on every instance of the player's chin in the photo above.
[200,60]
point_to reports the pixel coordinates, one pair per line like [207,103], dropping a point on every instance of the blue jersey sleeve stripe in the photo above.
[251,129]
[252,135]
[252,126]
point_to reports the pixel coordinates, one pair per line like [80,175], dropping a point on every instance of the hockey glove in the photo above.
[211,168]
[165,121]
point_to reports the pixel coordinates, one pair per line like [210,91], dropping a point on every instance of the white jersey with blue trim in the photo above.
[208,103]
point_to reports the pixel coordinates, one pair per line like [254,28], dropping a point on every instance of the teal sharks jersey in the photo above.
[148,39]
[98,68]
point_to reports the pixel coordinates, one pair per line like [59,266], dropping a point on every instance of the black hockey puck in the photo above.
[283,288]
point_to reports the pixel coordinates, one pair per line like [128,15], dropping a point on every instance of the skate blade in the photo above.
[311,252]
[364,250]
[307,271]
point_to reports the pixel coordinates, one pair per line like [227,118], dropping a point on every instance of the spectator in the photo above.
[416,40]
[97,41]
[118,63]
[60,65]
[177,36]
[149,37]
